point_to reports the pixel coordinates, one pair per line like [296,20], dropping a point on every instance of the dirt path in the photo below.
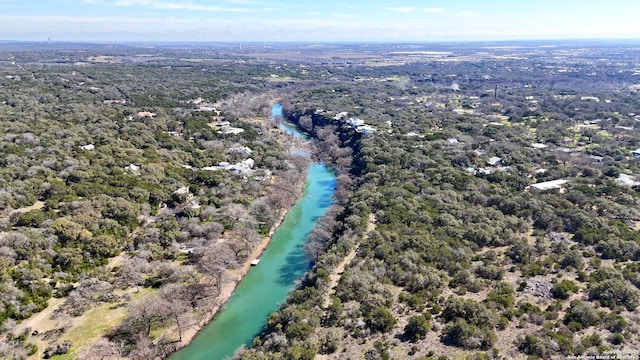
[116,261]
[41,322]
[38,205]
[336,274]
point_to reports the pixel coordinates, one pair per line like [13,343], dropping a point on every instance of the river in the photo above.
[266,285]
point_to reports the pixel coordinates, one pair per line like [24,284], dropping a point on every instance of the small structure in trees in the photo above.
[548,185]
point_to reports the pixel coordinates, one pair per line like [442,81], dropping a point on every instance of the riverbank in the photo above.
[237,275]
[266,286]
[249,303]
[227,290]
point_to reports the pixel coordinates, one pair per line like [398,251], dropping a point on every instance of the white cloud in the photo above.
[49,19]
[404,10]
[468,14]
[249,2]
[187,5]
[443,12]
[439,11]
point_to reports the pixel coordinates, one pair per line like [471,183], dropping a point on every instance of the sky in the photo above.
[317,20]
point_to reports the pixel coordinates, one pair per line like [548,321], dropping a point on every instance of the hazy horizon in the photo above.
[514,42]
[326,21]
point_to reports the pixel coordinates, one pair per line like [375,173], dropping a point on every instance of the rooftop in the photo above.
[549,185]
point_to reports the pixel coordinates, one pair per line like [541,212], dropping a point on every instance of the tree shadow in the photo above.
[297,263]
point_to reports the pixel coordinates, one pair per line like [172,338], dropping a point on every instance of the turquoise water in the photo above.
[266,285]
[291,130]
[276,110]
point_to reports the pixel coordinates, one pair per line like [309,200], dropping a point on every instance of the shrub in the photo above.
[474,312]
[32,218]
[529,308]
[581,313]
[614,322]
[574,259]
[381,320]
[563,289]
[57,349]
[617,339]
[299,330]
[301,351]
[416,328]
[592,340]
[490,272]
[501,296]
[468,336]
[614,292]
[532,345]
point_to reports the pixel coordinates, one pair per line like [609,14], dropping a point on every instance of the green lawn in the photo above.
[95,323]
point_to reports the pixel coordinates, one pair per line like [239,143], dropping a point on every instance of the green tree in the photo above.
[582,313]
[381,320]
[468,336]
[416,328]
[563,289]
[614,292]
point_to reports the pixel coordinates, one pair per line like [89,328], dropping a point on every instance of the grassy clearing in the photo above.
[280,79]
[95,323]
[104,59]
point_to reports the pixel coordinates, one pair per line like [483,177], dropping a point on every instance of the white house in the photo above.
[366,129]
[221,123]
[182,190]
[355,122]
[132,168]
[627,180]
[242,150]
[88,147]
[549,185]
[243,167]
[494,161]
[340,115]
[231,130]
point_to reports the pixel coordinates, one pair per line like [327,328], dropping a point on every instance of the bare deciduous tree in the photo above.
[215,260]
[103,349]
[144,315]
[246,237]
[175,305]
[131,272]
[234,213]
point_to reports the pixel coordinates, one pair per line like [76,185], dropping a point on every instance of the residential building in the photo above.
[549,185]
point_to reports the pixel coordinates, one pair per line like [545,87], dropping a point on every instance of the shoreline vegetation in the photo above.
[237,274]
[171,338]
[226,291]
[229,288]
